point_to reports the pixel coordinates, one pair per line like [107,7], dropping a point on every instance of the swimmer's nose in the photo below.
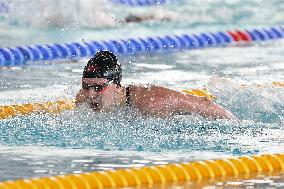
[93,93]
[94,101]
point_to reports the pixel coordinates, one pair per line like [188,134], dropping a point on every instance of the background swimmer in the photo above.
[102,90]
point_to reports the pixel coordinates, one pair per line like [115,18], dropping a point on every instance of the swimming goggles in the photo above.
[95,87]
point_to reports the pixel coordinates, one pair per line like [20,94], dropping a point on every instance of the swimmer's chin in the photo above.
[98,108]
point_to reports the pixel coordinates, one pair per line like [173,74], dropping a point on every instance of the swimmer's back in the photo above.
[162,102]
[151,99]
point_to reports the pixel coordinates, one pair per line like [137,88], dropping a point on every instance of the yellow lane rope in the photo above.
[204,92]
[273,84]
[200,92]
[23,109]
[61,105]
[162,174]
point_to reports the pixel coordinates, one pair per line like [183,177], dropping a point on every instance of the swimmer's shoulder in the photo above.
[150,89]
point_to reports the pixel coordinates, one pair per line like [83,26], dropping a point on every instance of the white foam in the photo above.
[37,94]
[63,13]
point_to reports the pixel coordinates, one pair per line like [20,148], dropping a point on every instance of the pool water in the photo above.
[81,141]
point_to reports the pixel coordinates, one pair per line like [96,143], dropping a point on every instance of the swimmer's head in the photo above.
[104,65]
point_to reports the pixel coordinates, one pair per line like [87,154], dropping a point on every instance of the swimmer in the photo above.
[102,92]
[158,15]
[143,18]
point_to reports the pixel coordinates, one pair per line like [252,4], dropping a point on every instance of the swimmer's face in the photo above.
[100,93]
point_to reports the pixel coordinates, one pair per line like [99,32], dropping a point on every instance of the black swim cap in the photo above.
[103,65]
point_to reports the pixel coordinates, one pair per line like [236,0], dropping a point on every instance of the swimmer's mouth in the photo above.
[94,106]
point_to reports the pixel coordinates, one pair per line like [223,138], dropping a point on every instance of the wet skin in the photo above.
[150,100]
[99,100]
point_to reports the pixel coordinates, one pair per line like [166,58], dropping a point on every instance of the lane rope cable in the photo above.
[142,3]
[18,56]
[149,176]
[7,111]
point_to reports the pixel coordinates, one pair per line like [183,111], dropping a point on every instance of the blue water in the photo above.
[81,141]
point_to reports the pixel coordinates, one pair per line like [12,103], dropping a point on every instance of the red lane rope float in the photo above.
[153,175]
[18,56]
[240,36]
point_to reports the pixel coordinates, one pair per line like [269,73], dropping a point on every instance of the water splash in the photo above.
[119,131]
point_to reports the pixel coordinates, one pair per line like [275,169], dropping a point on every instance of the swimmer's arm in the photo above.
[202,106]
[80,97]
[210,109]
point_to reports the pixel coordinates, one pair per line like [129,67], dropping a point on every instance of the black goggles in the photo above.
[95,87]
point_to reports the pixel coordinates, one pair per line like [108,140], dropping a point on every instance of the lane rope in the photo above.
[4,7]
[46,107]
[141,2]
[149,176]
[58,106]
[17,56]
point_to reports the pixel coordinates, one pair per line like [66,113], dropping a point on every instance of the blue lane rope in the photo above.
[17,56]
[141,2]
[4,8]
